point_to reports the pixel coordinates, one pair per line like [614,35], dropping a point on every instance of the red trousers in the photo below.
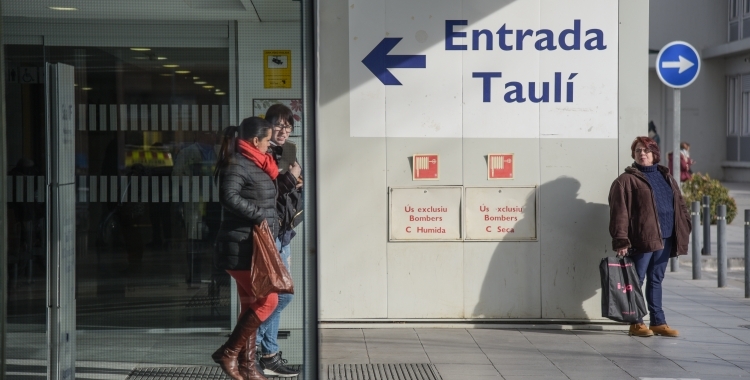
[263,307]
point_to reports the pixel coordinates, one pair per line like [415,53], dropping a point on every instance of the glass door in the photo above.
[153,87]
[147,122]
[146,126]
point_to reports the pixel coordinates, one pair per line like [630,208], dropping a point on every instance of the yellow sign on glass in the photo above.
[277,69]
[148,158]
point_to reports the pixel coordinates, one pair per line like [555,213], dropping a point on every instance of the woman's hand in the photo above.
[622,252]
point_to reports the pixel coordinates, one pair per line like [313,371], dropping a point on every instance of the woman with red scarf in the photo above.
[247,192]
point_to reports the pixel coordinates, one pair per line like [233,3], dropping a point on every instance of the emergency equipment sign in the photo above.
[501,213]
[500,166]
[425,213]
[425,167]
[536,68]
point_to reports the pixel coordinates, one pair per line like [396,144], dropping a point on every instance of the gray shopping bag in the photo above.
[622,299]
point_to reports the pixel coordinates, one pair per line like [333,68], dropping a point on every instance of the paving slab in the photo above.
[468,372]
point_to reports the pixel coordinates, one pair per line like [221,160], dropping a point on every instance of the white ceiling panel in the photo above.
[199,10]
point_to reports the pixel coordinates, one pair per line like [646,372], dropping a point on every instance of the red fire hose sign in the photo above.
[425,167]
[500,166]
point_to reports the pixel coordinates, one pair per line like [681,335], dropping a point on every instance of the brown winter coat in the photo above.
[634,219]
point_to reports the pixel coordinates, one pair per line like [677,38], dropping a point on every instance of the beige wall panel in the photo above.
[352,196]
[525,156]
[363,277]
[425,280]
[633,77]
[401,150]
[502,280]
[576,175]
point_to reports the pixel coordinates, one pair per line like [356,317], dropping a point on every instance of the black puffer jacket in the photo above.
[248,195]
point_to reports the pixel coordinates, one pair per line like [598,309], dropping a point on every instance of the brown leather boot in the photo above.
[639,329]
[249,368]
[226,355]
[664,330]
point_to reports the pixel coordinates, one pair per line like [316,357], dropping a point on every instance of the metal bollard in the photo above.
[747,253]
[706,225]
[695,215]
[721,254]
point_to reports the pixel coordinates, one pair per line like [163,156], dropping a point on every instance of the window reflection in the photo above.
[147,209]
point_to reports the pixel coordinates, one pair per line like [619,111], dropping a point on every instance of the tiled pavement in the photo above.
[712,345]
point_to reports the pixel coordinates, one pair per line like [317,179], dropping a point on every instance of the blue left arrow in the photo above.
[378,61]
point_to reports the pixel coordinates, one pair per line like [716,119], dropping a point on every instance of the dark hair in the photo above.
[649,144]
[278,112]
[249,128]
[651,126]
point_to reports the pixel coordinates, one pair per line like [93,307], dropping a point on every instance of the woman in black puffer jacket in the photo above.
[247,192]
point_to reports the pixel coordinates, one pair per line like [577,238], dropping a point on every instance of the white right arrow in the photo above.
[683,64]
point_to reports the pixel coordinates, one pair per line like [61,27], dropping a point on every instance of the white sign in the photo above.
[483,69]
[425,213]
[501,213]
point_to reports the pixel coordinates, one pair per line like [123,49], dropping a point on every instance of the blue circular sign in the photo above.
[678,64]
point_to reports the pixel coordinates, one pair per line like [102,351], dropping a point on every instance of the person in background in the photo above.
[195,160]
[649,222]
[247,192]
[685,155]
[652,132]
[289,184]
[685,162]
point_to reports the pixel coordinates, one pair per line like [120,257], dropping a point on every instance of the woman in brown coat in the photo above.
[648,221]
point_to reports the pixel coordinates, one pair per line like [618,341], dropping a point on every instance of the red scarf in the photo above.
[264,161]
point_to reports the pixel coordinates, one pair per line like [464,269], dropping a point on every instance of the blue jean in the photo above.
[268,331]
[652,266]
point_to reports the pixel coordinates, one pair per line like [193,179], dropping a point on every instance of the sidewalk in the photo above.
[713,345]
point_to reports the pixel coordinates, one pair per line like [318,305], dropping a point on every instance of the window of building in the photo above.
[732,124]
[745,18]
[739,19]
[738,118]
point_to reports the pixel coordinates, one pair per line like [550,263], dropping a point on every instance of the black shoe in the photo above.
[276,366]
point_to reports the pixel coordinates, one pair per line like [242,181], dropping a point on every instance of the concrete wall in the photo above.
[702,23]
[365,277]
